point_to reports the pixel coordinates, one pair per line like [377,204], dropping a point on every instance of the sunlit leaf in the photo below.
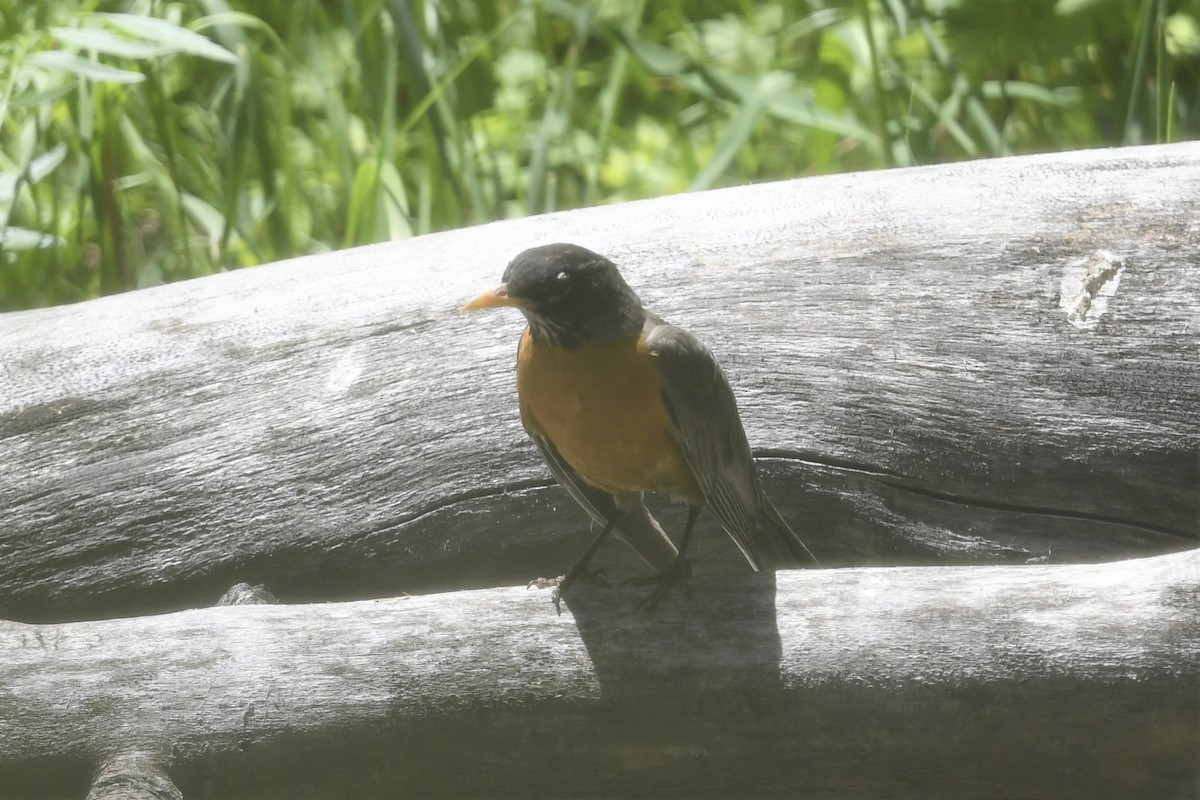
[170,35]
[658,59]
[207,218]
[83,67]
[1062,96]
[39,168]
[108,43]
[1182,35]
[23,239]
[48,95]
[1068,7]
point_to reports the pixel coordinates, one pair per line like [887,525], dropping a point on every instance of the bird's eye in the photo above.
[562,276]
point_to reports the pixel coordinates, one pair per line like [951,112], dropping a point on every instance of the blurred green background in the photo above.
[144,142]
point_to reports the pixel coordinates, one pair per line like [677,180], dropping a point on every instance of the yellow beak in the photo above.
[496,298]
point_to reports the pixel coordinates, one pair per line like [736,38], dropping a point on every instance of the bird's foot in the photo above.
[676,574]
[563,582]
[545,583]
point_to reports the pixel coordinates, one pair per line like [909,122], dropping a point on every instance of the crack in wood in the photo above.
[896,480]
[468,496]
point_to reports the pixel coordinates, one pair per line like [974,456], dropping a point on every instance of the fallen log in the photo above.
[1063,681]
[972,363]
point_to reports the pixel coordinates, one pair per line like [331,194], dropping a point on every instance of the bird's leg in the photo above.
[580,567]
[679,571]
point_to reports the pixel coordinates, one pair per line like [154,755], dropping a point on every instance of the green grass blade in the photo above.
[1131,130]
[740,129]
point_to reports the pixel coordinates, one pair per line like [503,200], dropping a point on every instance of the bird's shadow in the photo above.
[712,641]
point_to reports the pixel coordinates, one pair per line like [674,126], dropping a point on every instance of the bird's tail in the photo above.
[776,545]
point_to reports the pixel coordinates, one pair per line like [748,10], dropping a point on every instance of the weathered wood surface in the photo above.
[1045,681]
[916,353]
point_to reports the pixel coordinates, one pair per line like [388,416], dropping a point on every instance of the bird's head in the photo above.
[569,295]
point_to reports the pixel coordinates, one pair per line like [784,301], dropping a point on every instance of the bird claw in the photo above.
[544,583]
[563,582]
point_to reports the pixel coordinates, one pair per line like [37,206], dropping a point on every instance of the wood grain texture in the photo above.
[1055,681]
[994,361]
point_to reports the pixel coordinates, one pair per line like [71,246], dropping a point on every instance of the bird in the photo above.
[620,403]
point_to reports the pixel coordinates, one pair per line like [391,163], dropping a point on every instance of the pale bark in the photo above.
[910,348]
[968,364]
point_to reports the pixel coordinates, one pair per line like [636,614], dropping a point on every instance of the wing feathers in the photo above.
[702,409]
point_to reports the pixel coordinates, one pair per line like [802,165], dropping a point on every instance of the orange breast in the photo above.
[600,404]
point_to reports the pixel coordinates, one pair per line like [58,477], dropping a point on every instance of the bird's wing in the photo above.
[637,527]
[599,504]
[705,420]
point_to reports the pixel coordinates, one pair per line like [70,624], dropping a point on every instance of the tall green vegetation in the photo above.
[149,141]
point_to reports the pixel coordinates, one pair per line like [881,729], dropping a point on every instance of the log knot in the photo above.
[243,594]
[133,775]
[1087,284]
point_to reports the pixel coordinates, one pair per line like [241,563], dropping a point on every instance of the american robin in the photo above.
[620,403]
